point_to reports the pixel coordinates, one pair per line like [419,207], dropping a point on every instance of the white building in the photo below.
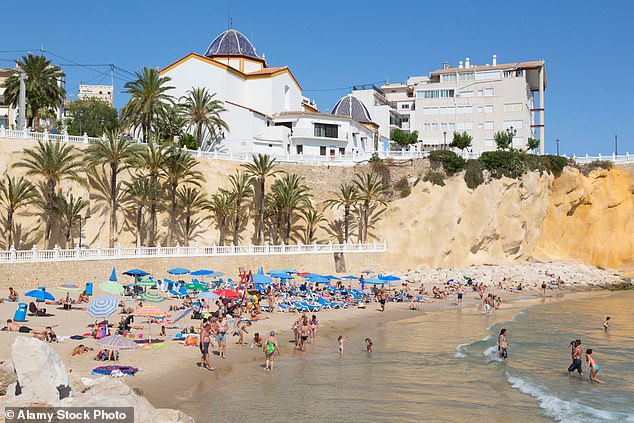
[480,100]
[266,111]
[100,92]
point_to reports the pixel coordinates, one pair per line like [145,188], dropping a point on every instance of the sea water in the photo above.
[444,367]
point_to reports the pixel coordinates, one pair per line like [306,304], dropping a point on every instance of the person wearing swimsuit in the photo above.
[270,348]
[314,324]
[594,367]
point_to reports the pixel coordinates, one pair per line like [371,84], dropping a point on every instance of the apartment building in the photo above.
[100,92]
[7,113]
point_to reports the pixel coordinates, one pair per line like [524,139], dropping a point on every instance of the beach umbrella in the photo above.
[103,306]
[303,274]
[149,311]
[375,281]
[202,272]
[217,274]
[261,278]
[367,271]
[331,277]
[135,272]
[181,314]
[350,277]
[111,288]
[208,295]
[113,276]
[178,271]
[146,282]
[117,343]
[318,279]
[389,278]
[285,276]
[152,297]
[228,293]
[195,286]
[69,287]
[290,271]
[271,272]
[40,295]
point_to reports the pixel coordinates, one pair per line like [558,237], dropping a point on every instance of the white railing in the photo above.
[77,254]
[307,159]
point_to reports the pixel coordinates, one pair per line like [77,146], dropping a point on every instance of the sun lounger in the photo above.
[283,307]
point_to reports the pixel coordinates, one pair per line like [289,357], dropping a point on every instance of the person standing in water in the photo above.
[503,345]
[606,324]
[270,348]
[341,340]
[382,298]
[594,367]
[576,352]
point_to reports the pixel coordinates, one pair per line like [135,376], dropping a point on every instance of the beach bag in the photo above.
[102,331]
[191,340]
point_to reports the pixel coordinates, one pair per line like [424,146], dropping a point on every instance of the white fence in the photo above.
[77,254]
[306,159]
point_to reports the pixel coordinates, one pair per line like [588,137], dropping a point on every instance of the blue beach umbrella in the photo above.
[290,271]
[389,278]
[350,277]
[181,314]
[178,271]
[331,277]
[202,272]
[113,276]
[136,272]
[261,278]
[40,295]
[375,281]
[208,295]
[319,279]
[217,274]
[103,306]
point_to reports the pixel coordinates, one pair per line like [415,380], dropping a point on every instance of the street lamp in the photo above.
[616,145]
[80,227]
[557,141]
[511,132]
[444,134]
[81,132]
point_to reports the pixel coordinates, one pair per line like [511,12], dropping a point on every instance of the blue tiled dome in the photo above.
[231,43]
[352,107]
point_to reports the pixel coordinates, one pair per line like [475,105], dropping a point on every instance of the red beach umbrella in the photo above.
[227,293]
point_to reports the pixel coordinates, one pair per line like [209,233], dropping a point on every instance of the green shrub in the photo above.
[512,164]
[375,158]
[403,187]
[189,141]
[383,170]
[435,178]
[554,164]
[451,162]
[597,164]
[473,175]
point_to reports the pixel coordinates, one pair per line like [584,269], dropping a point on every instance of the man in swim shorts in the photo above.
[576,357]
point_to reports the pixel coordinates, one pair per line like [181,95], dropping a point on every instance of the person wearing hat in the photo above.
[270,348]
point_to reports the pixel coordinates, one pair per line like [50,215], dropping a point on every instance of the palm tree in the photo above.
[221,205]
[259,169]
[43,88]
[69,209]
[14,194]
[289,194]
[118,154]
[312,218]
[55,162]
[346,197]
[240,190]
[142,191]
[370,190]
[202,111]
[153,160]
[190,200]
[170,125]
[178,168]
[148,100]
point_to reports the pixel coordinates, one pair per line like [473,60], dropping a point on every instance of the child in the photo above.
[257,341]
[594,368]
[368,344]
[341,340]
[606,324]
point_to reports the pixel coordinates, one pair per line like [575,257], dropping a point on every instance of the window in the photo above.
[450,77]
[342,151]
[488,109]
[479,109]
[489,142]
[466,93]
[460,110]
[427,127]
[488,75]
[434,126]
[468,125]
[405,106]
[434,93]
[300,149]
[465,76]
[326,130]
[513,107]
[480,126]
[488,125]
[322,150]
[488,92]
[451,126]
[517,124]
[443,126]
[509,74]
[468,109]
[479,93]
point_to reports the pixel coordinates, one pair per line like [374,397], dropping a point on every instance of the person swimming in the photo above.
[368,344]
[606,324]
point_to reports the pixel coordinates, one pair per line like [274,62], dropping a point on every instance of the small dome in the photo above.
[352,107]
[231,43]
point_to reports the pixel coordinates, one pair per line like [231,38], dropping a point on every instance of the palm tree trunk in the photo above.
[236,228]
[188,217]
[8,228]
[113,205]
[261,210]
[365,222]
[50,193]
[68,236]
[139,218]
[151,232]
[172,217]
[287,228]
[222,223]
[198,136]
[346,224]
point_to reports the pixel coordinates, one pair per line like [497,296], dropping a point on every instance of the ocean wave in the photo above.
[491,354]
[462,348]
[561,409]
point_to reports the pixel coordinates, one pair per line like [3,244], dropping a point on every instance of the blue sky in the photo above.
[331,45]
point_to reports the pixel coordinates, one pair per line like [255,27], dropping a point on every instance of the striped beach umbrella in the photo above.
[181,314]
[117,343]
[208,295]
[68,287]
[112,288]
[152,297]
[146,282]
[149,311]
[195,286]
[103,306]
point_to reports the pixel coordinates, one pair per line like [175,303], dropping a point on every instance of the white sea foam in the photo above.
[561,409]
[460,349]
[491,354]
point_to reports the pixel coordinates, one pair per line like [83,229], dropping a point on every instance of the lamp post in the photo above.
[557,142]
[81,132]
[511,132]
[616,145]
[80,227]
[444,134]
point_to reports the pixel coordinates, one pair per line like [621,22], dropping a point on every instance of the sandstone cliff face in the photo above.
[590,218]
[499,222]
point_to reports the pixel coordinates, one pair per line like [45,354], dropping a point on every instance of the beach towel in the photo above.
[107,370]
[154,346]
[77,337]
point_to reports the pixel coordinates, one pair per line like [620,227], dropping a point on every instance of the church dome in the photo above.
[352,107]
[231,43]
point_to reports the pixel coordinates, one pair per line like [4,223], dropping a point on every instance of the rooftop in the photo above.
[231,43]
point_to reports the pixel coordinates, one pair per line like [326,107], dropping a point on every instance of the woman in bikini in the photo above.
[594,367]
[314,324]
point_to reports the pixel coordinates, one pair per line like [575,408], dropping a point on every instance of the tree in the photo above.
[178,168]
[54,162]
[43,88]
[153,159]
[14,194]
[370,192]
[240,191]
[149,101]
[170,125]
[346,197]
[142,190]
[403,138]
[262,167]
[69,210]
[289,194]
[202,112]
[532,144]
[503,140]
[312,218]
[221,205]
[461,140]
[92,116]
[116,154]
[190,201]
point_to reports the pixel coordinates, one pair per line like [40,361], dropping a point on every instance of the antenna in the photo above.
[229,23]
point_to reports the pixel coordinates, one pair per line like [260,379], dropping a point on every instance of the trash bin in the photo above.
[20,313]
[89,288]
